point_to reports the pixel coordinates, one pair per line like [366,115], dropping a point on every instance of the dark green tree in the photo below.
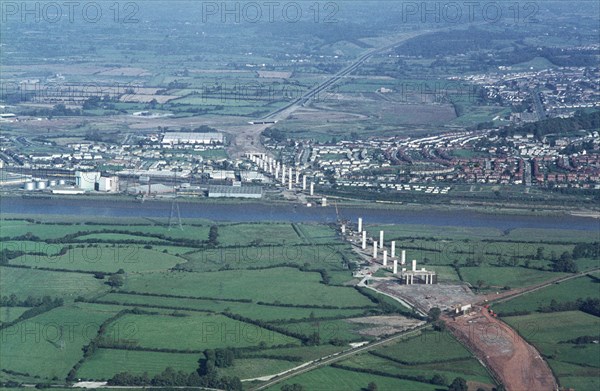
[458,384]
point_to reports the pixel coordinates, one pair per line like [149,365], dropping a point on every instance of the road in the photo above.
[341,356]
[286,110]
[514,293]
[537,104]
[516,363]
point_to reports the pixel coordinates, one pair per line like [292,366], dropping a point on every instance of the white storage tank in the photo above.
[40,185]
[61,182]
[29,186]
[52,183]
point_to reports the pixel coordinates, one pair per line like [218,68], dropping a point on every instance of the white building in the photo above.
[86,180]
[218,191]
[108,184]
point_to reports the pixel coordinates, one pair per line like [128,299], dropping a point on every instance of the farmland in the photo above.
[567,291]
[211,295]
[168,296]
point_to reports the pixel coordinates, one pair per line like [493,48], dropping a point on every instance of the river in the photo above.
[260,211]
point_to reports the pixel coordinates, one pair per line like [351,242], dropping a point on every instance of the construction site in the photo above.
[417,287]
[470,319]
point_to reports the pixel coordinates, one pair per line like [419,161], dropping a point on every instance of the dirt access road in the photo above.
[514,362]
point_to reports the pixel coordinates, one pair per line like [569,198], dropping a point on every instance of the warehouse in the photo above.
[218,191]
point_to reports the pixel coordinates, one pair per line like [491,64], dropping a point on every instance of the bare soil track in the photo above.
[513,361]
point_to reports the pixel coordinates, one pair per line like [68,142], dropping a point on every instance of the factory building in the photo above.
[219,191]
[108,184]
[86,180]
[7,178]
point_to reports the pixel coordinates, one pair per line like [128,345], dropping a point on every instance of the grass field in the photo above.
[249,310]
[37,283]
[469,368]
[284,285]
[423,355]
[316,256]
[249,368]
[104,259]
[115,237]
[105,363]
[577,377]
[214,275]
[199,332]
[431,346]
[330,329]
[550,332]
[302,353]
[570,290]
[8,314]
[506,276]
[335,379]
[35,346]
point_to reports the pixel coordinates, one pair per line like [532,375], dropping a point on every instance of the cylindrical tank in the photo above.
[61,182]
[29,186]
[40,185]
[52,183]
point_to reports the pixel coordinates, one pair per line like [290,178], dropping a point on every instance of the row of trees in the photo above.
[205,376]
[45,305]
[30,301]
[213,236]
[589,305]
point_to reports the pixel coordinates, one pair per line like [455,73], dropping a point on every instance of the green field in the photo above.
[37,283]
[301,353]
[104,259]
[469,368]
[571,290]
[8,314]
[283,286]
[249,368]
[35,346]
[185,299]
[329,378]
[420,356]
[315,256]
[105,363]
[432,346]
[499,277]
[329,330]
[199,332]
[250,310]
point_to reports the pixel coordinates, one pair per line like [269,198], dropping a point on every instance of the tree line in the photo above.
[206,375]
[40,306]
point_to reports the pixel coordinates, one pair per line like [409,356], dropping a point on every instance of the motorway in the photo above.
[286,110]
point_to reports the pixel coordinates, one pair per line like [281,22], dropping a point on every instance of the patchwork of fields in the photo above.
[136,297]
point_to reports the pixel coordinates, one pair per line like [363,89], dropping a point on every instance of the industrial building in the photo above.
[219,191]
[86,180]
[7,178]
[174,138]
[108,184]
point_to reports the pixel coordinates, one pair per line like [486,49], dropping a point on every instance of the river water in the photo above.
[248,211]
